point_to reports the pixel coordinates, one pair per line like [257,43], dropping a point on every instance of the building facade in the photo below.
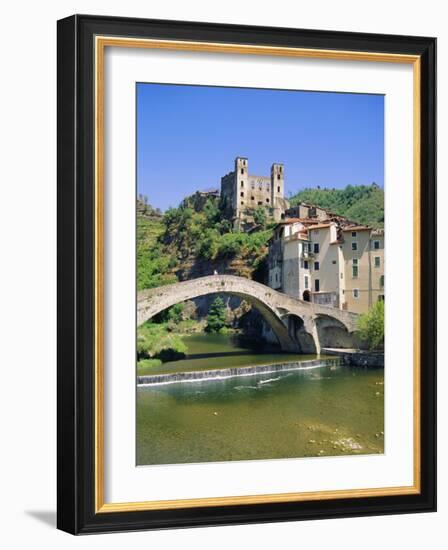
[330,261]
[242,193]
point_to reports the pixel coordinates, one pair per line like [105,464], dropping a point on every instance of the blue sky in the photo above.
[189,136]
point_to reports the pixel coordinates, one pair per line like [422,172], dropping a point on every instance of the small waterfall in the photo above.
[217,374]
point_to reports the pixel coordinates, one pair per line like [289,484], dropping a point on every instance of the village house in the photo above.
[327,259]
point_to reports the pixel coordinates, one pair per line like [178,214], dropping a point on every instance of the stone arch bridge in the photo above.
[298,325]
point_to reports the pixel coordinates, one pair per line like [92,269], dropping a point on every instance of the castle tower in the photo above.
[241,183]
[277,189]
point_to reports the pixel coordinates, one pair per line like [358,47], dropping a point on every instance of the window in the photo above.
[355,269]
[382,281]
[252,198]
[376,245]
[316,248]
[354,246]
[342,275]
[377,261]
[242,193]
[242,203]
[242,170]
[354,234]
[309,247]
[242,184]
[381,298]
[260,203]
[316,266]
[278,189]
[306,282]
[267,200]
[334,262]
[305,264]
[278,176]
[355,293]
[316,285]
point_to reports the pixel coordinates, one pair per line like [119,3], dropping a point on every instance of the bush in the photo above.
[173,314]
[230,244]
[147,364]
[371,327]
[154,341]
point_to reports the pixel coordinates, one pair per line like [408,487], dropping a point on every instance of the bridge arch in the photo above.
[332,332]
[268,314]
[290,319]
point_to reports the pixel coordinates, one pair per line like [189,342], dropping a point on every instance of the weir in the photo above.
[220,374]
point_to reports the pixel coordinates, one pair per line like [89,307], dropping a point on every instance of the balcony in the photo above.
[307,255]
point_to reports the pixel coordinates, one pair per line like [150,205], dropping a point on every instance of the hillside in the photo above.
[194,240]
[361,203]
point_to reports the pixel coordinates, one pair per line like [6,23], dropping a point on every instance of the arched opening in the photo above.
[332,333]
[306,296]
[298,333]
[153,301]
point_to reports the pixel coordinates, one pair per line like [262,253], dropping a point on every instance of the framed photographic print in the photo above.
[246,270]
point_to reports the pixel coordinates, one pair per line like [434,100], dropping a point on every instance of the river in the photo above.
[324,411]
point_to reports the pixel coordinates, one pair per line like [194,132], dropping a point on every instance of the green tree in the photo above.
[216,319]
[371,326]
[260,216]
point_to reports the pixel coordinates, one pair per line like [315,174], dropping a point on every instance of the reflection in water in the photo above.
[318,412]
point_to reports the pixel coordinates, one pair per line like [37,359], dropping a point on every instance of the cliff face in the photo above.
[193,267]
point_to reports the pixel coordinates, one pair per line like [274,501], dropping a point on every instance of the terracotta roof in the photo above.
[320,226]
[356,228]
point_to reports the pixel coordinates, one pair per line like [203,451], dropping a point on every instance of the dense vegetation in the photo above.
[153,264]
[206,235]
[371,326]
[361,203]
[193,236]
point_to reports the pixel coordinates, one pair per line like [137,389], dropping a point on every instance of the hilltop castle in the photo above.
[242,193]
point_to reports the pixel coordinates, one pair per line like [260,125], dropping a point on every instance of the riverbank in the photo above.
[357,357]
[163,342]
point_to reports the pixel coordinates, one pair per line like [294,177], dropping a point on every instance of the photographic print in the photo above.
[260,274]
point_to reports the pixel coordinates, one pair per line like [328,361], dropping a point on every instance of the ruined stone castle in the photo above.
[242,193]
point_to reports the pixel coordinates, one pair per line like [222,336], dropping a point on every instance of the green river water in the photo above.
[325,411]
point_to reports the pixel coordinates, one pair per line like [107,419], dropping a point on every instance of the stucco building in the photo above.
[328,260]
[242,193]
